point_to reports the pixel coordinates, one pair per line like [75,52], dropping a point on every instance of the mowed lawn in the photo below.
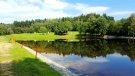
[39,36]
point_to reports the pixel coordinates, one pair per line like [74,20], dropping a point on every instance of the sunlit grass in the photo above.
[25,64]
[39,36]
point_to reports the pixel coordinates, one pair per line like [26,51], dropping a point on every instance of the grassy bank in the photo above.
[24,63]
[38,36]
[70,36]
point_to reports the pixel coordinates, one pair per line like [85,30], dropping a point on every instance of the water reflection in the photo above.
[93,48]
[90,58]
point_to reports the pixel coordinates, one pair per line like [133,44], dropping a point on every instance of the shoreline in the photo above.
[61,69]
[119,37]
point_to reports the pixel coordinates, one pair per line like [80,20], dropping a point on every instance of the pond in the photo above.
[90,58]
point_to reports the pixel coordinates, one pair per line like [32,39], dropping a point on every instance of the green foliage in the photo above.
[36,26]
[93,24]
[60,29]
[43,30]
[131,27]
[22,23]
[132,20]
[113,29]
[83,27]
[131,30]
[5,29]
[63,28]
[119,27]
[101,26]
[75,25]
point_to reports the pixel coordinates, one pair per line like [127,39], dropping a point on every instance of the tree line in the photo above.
[91,24]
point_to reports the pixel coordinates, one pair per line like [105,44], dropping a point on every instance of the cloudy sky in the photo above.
[11,10]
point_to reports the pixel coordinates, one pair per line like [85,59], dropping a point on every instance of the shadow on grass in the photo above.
[5,69]
[32,67]
[0,70]
[88,36]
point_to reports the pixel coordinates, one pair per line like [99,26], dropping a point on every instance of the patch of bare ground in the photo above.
[5,59]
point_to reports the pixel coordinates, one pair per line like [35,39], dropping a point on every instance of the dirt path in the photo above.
[5,59]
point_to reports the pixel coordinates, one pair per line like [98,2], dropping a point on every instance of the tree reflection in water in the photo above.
[91,48]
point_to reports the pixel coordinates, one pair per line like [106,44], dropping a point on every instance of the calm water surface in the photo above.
[90,58]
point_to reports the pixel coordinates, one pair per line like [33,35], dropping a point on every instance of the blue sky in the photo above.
[11,10]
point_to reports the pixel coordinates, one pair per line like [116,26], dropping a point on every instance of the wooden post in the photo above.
[36,51]
[13,40]
[133,35]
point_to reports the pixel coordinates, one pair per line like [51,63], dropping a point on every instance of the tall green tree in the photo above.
[131,23]
[43,30]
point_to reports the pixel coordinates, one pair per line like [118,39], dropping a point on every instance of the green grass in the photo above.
[25,64]
[38,36]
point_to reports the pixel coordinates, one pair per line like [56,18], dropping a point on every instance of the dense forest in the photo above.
[91,24]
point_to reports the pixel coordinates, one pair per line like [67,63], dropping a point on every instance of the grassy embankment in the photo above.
[24,63]
[38,36]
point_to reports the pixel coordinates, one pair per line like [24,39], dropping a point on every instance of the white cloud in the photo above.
[117,55]
[90,9]
[121,13]
[43,14]
[97,60]
[7,20]
[31,9]
[11,10]
[35,9]
[55,4]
